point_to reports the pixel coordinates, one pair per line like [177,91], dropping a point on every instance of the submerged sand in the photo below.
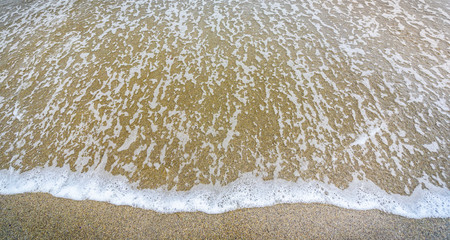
[180,93]
[38,215]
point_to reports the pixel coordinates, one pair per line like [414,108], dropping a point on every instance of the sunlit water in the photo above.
[224,97]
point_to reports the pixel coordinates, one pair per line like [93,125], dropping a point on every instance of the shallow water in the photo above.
[182,94]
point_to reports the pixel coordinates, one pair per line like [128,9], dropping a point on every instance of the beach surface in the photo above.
[42,216]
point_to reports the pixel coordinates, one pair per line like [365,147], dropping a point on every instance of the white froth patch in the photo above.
[351,51]
[129,167]
[432,147]
[246,192]
[17,113]
[231,132]
[442,103]
[131,138]
[183,138]
[362,139]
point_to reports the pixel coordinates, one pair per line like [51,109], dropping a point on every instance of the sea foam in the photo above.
[247,191]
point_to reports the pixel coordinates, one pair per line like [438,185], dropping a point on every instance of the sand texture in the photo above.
[37,216]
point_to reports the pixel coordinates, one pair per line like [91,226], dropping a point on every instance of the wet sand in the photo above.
[31,216]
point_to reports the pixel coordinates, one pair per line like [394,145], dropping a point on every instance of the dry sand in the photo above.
[37,215]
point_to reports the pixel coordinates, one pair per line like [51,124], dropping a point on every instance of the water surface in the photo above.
[177,95]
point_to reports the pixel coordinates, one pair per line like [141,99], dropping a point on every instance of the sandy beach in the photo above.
[42,216]
[220,105]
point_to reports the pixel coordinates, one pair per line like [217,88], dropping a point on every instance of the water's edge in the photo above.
[247,192]
[193,96]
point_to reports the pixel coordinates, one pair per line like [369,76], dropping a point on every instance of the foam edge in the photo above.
[247,191]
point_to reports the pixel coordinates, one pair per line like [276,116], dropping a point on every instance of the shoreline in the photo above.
[40,215]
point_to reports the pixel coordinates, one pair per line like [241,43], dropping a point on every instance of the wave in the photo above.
[247,191]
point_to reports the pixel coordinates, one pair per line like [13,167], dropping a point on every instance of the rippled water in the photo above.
[177,94]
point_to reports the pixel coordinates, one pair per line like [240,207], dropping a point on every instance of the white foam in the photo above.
[248,191]
[131,138]
[433,147]
[362,139]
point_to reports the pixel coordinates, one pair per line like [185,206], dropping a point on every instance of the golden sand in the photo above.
[38,216]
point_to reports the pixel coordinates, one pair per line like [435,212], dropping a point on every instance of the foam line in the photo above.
[246,192]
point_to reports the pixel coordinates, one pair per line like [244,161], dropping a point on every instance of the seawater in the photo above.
[217,105]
